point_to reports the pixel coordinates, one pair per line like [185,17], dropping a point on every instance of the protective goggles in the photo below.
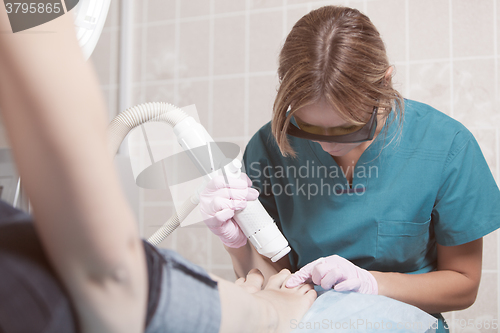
[365,133]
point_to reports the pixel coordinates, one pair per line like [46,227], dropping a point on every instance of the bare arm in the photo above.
[55,120]
[452,287]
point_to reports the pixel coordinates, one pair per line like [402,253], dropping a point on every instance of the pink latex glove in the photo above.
[219,200]
[335,271]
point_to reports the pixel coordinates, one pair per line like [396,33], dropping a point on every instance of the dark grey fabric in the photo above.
[32,299]
[181,296]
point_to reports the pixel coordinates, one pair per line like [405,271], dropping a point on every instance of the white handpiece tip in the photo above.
[281,254]
[234,166]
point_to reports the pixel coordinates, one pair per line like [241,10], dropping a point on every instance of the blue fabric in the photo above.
[189,299]
[412,189]
[430,185]
[354,312]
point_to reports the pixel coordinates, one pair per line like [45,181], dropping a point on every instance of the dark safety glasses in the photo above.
[365,133]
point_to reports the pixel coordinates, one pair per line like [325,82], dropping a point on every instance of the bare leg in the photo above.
[246,307]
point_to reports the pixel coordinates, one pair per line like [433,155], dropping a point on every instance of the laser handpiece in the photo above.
[253,220]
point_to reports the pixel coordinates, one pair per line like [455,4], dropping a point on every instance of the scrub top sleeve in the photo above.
[467,205]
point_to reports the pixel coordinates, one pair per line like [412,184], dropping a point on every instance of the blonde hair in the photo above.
[334,53]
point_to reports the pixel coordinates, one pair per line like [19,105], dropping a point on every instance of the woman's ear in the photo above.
[388,74]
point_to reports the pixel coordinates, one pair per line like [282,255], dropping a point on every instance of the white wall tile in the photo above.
[399,77]
[140,11]
[262,95]
[112,21]
[138,53]
[136,94]
[472,28]
[292,2]
[360,5]
[228,107]
[292,16]
[156,216]
[229,45]
[160,92]
[429,18]
[266,37]
[229,6]
[197,93]
[160,52]
[256,4]
[161,10]
[194,49]
[389,17]
[112,97]
[156,196]
[192,243]
[474,92]
[497,26]
[194,8]
[430,84]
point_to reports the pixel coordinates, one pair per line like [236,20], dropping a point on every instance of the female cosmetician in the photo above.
[375,193]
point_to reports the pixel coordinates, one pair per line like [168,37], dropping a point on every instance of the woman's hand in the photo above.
[337,272]
[219,200]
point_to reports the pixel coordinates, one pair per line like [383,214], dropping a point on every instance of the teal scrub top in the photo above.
[424,184]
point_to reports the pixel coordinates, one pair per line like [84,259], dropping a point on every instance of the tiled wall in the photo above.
[222,56]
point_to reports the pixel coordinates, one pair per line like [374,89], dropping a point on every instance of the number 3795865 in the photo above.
[33,8]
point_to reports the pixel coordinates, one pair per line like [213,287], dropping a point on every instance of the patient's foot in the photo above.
[247,307]
[253,281]
[290,304]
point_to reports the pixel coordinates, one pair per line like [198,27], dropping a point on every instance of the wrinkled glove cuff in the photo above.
[372,285]
[230,239]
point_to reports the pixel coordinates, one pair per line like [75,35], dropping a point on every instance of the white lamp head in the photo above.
[90,16]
